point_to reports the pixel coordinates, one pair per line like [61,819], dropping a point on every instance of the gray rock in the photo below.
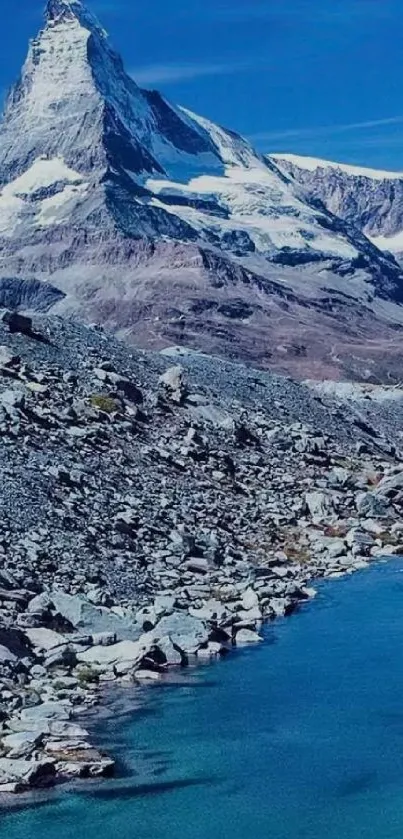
[12,399]
[164,604]
[7,358]
[247,636]
[21,744]
[372,505]
[6,655]
[319,505]
[173,657]
[49,711]
[124,655]
[250,599]
[211,611]
[86,617]
[185,632]
[26,773]
[173,383]
[44,639]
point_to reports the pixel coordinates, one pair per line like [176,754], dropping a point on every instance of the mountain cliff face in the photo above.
[368,198]
[168,228]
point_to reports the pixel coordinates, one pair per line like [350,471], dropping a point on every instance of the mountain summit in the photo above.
[66,9]
[168,228]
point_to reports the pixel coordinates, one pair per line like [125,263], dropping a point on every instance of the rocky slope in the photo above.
[370,199]
[154,513]
[170,229]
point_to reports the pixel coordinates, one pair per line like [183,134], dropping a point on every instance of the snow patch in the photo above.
[42,174]
[394,244]
[16,197]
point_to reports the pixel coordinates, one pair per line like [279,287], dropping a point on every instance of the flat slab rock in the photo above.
[130,652]
[46,711]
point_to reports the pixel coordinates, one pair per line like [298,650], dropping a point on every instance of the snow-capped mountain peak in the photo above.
[62,11]
[141,211]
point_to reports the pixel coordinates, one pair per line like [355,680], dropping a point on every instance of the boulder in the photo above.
[7,358]
[21,744]
[336,548]
[197,565]
[6,656]
[319,505]
[12,399]
[13,644]
[389,485]
[164,604]
[17,322]
[250,599]
[372,505]
[49,711]
[40,604]
[357,538]
[212,611]
[249,616]
[26,773]
[123,656]
[87,618]
[172,656]
[247,636]
[186,633]
[173,383]
[81,761]
[44,640]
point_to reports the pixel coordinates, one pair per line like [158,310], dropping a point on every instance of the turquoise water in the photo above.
[302,738]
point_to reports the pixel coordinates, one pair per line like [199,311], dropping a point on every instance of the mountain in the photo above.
[169,229]
[369,198]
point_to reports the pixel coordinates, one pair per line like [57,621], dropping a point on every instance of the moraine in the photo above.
[299,738]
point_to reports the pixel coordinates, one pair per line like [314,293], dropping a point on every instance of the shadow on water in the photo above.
[359,783]
[133,790]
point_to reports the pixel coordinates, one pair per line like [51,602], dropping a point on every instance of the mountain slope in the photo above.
[369,198]
[168,228]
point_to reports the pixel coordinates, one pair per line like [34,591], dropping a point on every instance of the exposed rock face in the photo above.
[370,199]
[168,228]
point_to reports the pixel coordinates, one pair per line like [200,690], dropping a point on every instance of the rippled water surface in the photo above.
[300,738]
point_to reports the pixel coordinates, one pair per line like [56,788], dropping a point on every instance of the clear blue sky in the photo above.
[319,77]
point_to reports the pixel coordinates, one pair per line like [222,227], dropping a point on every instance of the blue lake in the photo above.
[299,739]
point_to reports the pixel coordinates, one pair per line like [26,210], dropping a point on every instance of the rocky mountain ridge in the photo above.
[370,199]
[170,229]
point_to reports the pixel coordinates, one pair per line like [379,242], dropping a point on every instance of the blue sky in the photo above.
[319,77]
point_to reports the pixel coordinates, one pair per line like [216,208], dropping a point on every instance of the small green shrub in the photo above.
[104,403]
[87,676]
[58,686]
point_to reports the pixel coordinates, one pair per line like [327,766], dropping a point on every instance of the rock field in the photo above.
[156,509]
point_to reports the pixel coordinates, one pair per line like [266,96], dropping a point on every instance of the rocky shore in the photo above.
[153,514]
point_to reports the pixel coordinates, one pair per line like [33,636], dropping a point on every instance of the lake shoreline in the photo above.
[123,701]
